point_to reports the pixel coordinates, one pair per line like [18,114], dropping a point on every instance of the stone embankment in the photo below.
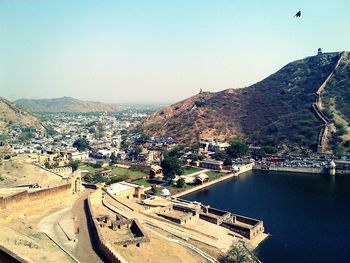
[308,170]
[317,107]
[242,169]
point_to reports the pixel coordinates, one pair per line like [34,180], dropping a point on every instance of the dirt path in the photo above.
[84,249]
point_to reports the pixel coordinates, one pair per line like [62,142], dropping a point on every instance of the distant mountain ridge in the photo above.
[11,115]
[275,111]
[65,104]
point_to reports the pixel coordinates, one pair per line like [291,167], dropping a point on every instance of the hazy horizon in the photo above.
[157,51]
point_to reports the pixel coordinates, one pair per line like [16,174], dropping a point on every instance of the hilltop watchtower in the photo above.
[319,52]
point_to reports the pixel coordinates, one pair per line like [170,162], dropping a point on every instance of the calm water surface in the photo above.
[308,216]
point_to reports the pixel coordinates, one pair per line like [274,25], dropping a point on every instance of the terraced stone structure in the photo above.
[179,214]
[128,231]
[245,226]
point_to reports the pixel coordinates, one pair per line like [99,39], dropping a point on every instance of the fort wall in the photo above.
[317,107]
[110,254]
[299,170]
[25,196]
[62,171]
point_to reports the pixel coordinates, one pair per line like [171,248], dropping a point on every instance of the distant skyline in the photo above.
[157,51]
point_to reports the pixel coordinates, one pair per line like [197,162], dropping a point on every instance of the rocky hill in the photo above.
[11,115]
[65,104]
[275,111]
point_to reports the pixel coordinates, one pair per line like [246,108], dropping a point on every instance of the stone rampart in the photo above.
[317,106]
[62,171]
[311,170]
[26,196]
[110,254]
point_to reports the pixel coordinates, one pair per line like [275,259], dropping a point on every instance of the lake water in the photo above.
[308,216]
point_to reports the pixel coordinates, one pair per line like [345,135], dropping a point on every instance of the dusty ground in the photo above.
[23,236]
[213,251]
[19,171]
[196,229]
[71,218]
[157,250]
[34,246]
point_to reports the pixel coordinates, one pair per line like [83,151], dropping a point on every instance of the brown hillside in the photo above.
[277,110]
[11,115]
[65,104]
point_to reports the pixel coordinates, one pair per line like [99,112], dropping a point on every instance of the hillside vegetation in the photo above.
[274,111]
[336,101]
[65,104]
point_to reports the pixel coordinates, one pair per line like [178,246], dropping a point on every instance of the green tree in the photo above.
[88,178]
[195,147]
[269,149]
[50,131]
[339,151]
[237,148]
[259,153]
[25,136]
[74,165]
[237,254]
[220,155]
[180,183]
[3,137]
[227,161]
[175,152]
[134,153]
[114,159]
[97,165]
[81,144]
[154,189]
[171,166]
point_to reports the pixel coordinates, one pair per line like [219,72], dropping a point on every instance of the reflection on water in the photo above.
[307,215]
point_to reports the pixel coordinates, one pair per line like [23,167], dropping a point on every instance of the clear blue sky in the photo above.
[157,51]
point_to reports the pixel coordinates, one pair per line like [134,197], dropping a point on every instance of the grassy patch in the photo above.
[214,174]
[132,174]
[117,172]
[144,182]
[88,168]
[190,170]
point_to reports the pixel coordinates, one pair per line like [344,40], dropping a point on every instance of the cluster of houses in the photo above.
[110,143]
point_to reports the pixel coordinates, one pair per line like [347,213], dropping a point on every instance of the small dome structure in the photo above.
[165,192]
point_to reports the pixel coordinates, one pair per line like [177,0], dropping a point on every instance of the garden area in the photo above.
[214,175]
[118,174]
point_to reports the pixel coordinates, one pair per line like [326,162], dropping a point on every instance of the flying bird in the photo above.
[298,14]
